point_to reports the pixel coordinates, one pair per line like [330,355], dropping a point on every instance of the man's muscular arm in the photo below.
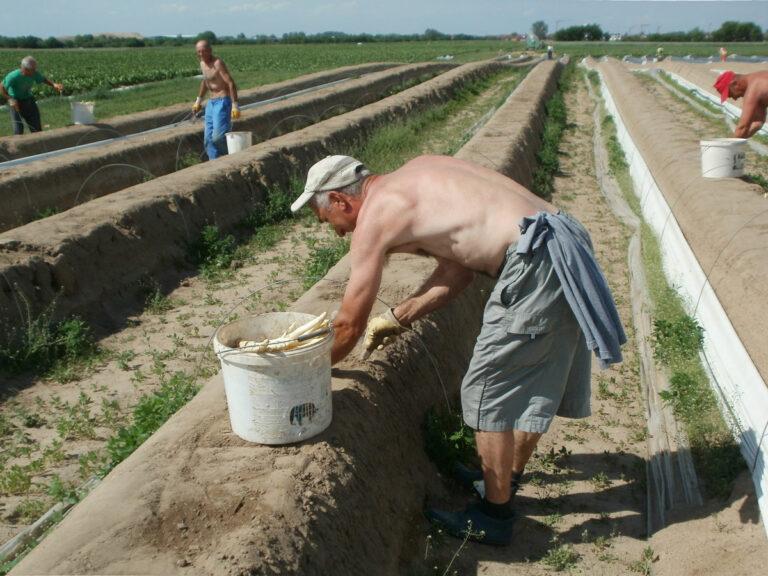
[752,116]
[364,280]
[227,79]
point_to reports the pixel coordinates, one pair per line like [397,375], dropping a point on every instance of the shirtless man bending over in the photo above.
[754,89]
[531,359]
[222,106]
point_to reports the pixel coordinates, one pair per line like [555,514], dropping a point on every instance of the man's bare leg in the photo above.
[503,454]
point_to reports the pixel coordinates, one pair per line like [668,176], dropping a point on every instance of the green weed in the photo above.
[548,157]
[158,303]
[447,440]
[323,254]
[148,415]
[28,511]
[213,253]
[63,350]
[676,339]
[644,566]
[561,557]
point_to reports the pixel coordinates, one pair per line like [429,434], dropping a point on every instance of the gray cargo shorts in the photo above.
[530,360]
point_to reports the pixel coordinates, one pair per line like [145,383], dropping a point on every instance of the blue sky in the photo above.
[153,17]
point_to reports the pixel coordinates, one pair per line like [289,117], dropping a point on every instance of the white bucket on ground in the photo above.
[237,141]
[275,398]
[82,112]
[723,157]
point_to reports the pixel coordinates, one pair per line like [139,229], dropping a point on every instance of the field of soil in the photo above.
[194,498]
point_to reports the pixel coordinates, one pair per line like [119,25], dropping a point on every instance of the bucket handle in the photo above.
[301,338]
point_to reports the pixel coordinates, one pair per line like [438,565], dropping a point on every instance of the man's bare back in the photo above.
[447,208]
[753,88]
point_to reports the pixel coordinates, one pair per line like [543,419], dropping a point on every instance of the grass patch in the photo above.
[548,157]
[323,254]
[63,350]
[391,145]
[677,340]
[757,179]
[148,415]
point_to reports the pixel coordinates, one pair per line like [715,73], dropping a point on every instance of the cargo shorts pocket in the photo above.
[527,350]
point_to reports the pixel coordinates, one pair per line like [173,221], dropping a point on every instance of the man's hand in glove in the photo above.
[382,331]
[235,111]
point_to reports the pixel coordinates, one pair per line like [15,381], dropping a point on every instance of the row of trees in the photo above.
[728,32]
[91,41]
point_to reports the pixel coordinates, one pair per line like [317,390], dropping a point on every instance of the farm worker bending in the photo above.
[753,88]
[17,89]
[549,307]
[222,106]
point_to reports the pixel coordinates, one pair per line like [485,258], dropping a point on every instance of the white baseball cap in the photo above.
[331,173]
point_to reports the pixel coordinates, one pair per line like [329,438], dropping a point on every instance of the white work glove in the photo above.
[13,103]
[198,105]
[235,111]
[381,331]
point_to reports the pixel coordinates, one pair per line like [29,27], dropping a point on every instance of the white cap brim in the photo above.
[301,200]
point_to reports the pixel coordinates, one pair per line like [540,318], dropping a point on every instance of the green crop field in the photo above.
[165,75]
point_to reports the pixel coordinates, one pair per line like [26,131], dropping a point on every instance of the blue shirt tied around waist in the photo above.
[584,285]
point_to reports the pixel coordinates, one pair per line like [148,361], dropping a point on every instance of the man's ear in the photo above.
[335,197]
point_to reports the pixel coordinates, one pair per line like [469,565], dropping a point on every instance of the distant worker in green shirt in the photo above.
[17,89]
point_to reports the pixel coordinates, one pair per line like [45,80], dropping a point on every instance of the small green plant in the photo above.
[42,346]
[761,181]
[28,511]
[560,557]
[15,480]
[600,481]
[447,439]
[123,359]
[148,415]
[77,420]
[158,303]
[213,252]
[62,491]
[645,564]
[46,212]
[188,159]
[322,257]
[676,339]
[90,463]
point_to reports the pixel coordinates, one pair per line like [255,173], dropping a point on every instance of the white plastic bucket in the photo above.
[82,112]
[275,398]
[723,157]
[237,141]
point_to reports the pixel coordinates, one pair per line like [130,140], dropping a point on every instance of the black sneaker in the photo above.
[474,524]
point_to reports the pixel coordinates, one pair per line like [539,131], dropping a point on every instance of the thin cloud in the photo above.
[175,8]
[257,7]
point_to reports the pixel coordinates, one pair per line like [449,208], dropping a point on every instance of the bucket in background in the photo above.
[82,112]
[280,397]
[723,157]
[237,141]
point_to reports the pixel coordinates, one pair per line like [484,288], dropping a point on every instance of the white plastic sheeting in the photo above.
[728,107]
[741,390]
